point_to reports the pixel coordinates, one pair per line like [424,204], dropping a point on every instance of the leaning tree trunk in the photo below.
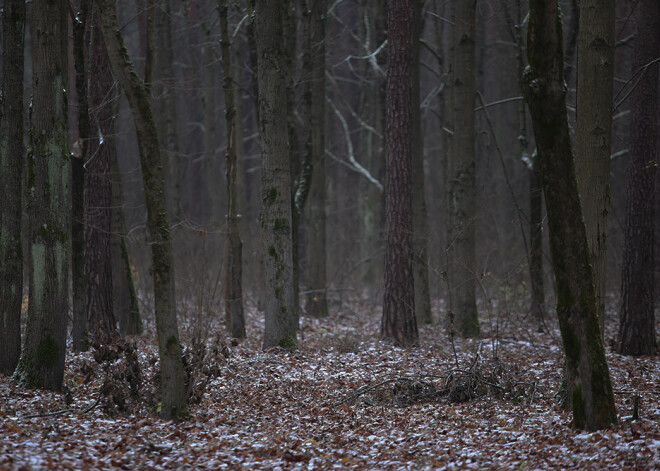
[637,320]
[420,221]
[234,254]
[398,322]
[172,383]
[593,136]
[42,359]
[11,169]
[589,378]
[281,306]
[317,300]
[98,192]
[461,186]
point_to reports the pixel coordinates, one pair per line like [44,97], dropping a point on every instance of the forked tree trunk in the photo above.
[461,186]
[398,322]
[42,359]
[281,306]
[589,378]
[637,317]
[593,136]
[172,383]
[234,256]
[11,170]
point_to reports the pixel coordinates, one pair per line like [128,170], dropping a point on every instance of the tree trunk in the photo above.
[317,301]
[234,259]
[11,170]
[165,107]
[124,297]
[461,186]
[637,319]
[281,306]
[42,359]
[420,221]
[172,383]
[98,192]
[591,391]
[593,136]
[398,323]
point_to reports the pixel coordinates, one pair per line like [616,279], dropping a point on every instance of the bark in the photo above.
[172,383]
[11,168]
[281,305]
[593,136]
[42,359]
[79,324]
[234,256]
[420,218]
[124,297]
[372,100]
[590,385]
[461,187]
[164,106]
[637,320]
[98,192]
[398,322]
[317,302]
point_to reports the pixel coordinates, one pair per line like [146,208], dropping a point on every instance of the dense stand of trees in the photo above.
[361,149]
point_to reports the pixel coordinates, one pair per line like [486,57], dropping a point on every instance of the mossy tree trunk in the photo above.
[281,306]
[12,151]
[637,317]
[313,175]
[593,136]
[42,358]
[234,255]
[398,322]
[98,191]
[589,379]
[461,186]
[172,384]
[420,218]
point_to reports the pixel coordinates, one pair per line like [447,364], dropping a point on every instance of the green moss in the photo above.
[172,344]
[283,309]
[289,342]
[578,408]
[278,292]
[271,195]
[272,251]
[280,224]
[47,352]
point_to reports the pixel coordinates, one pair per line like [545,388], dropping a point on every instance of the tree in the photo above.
[317,301]
[79,154]
[42,358]
[420,222]
[593,136]
[636,320]
[11,168]
[398,322]
[589,382]
[461,189]
[281,306]
[98,191]
[172,384]
[234,246]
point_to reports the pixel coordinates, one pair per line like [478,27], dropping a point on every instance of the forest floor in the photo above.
[343,401]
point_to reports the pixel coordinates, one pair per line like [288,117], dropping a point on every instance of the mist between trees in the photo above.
[299,156]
